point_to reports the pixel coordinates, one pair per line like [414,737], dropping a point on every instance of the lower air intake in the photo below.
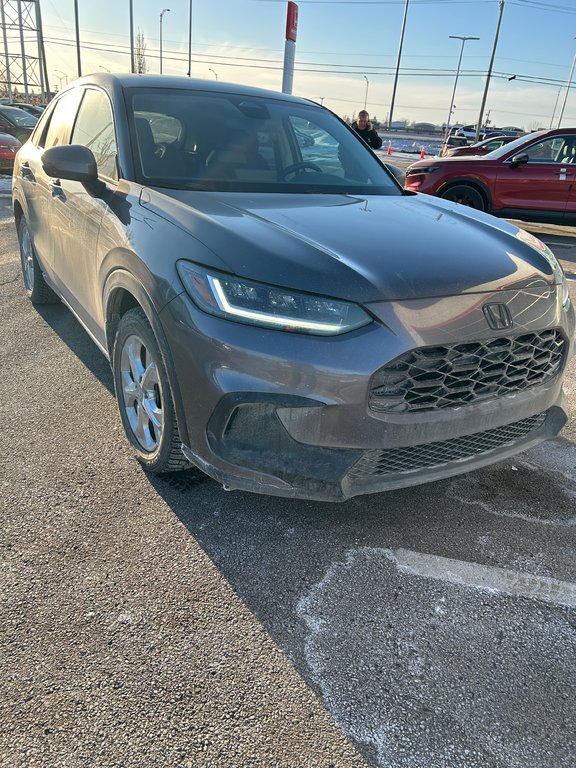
[392,461]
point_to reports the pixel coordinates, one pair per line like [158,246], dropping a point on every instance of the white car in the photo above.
[466,131]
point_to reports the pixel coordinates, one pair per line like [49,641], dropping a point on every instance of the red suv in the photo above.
[530,178]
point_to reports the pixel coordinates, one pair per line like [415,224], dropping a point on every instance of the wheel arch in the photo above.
[476,184]
[18,212]
[122,292]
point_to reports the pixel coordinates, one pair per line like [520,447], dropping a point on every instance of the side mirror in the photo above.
[75,163]
[70,161]
[398,173]
[517,160]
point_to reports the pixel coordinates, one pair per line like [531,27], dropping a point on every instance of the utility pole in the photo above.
[398,64]
[567,90]
[190,40]
[77,39]
[489,73]
[131,10]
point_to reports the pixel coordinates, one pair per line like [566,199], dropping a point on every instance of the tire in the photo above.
[144,397]
[37,289]
[465,195]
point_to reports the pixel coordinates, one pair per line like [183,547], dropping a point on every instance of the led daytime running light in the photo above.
[279,320]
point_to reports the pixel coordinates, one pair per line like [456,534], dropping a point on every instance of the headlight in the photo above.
[266,305]
[542,248]
[565,292]
[428,169]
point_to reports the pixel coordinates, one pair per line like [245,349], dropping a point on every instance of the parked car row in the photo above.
[9,145]
[531,178]
[17,122]
[277,310]
[480,148]
[468,132]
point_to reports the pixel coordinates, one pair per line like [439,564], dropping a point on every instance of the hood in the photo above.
[361,249]
[449,159]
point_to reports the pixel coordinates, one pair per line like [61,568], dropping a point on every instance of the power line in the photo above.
[313,67]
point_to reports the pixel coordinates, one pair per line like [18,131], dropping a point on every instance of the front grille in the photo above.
[414,457]
[428,378]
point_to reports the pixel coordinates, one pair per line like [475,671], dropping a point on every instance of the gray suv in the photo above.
[276,310]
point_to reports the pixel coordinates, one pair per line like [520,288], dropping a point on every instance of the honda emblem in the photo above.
[497,316]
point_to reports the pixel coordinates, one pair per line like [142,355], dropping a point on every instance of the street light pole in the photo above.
[567,89]
[213,72]
[366,94]
[463,38]
[166,10]
[555,105]
[64,76]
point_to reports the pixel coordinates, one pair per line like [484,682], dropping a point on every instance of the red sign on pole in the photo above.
[292,22]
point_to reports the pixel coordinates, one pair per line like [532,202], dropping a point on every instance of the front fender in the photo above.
[122,291]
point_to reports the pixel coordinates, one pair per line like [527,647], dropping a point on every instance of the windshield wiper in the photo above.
[324,191]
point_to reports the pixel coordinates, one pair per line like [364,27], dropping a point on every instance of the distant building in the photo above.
[425,127]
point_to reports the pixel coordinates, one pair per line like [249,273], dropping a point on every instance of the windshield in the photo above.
[512,145]
[228,142]
[19,117]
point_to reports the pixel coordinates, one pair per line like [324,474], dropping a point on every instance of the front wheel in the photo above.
[37,289]
[144,397]
[465,195]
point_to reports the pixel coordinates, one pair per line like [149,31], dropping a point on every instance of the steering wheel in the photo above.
[161,149]
[300,167]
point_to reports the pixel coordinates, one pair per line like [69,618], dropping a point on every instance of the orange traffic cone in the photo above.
[389,148]
[421,152]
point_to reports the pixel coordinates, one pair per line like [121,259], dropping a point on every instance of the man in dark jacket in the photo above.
[366,130]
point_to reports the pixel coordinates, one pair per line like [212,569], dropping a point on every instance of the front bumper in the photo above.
[288,415]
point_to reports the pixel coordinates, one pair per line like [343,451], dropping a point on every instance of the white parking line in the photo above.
[485,577]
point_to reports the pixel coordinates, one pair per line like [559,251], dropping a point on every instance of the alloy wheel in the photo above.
[142,393]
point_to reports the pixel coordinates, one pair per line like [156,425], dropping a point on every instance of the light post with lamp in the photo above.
[166,10]
[452,105]
[60,79]
[366,94]
[213,72]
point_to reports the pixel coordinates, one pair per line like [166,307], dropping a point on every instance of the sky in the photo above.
[346,52]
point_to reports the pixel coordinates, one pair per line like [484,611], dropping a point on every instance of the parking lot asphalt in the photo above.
[165,622]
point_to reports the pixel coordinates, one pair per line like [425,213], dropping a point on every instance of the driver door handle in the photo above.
[56,188]
[26,172]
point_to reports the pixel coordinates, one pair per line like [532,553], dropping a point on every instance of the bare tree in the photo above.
[140,53]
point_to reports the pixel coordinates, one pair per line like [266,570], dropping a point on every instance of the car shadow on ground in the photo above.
[293,563]
[65,325]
